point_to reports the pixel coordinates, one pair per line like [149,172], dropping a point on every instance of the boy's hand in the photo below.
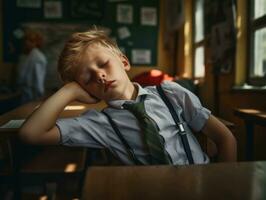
[80,94]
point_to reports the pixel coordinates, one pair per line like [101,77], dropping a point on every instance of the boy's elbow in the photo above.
[27,135]
[228,148]
[227,140]
[230,139]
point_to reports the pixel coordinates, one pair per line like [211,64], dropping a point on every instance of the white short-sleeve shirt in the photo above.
[92,128]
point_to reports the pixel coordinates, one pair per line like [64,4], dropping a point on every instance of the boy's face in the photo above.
[102,73]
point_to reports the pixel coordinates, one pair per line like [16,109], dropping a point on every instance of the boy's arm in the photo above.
[40,127]
[222,137]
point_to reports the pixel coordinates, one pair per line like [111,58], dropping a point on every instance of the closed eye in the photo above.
[103,64]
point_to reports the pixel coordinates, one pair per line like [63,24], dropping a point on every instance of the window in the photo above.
[257,42]
[198,41]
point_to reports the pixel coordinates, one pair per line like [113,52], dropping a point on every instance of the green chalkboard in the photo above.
[133,24]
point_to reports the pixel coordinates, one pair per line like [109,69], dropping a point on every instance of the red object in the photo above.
[152,77]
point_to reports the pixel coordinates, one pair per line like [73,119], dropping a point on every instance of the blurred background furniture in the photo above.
[251,118]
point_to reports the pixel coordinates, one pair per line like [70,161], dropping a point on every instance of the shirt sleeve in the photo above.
[86,130]
[192,110]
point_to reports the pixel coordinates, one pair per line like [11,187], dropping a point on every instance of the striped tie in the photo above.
[151,134]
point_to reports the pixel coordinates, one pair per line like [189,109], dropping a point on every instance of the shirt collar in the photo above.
[119,103]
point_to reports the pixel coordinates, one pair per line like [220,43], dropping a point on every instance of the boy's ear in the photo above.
[125,62]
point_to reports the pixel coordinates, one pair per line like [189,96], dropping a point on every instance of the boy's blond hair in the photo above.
[76,46]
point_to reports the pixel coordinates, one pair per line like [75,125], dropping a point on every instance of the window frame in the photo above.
[197,44]
[252,26]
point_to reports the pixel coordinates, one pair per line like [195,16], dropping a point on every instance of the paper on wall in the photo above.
[52,9]
[18,33]
[29,3]
[141,56]
[148,16]
[124,14]
[123,33]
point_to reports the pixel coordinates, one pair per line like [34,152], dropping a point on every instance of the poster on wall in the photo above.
[141,56]
[122,17]
[125,14]
[85,9]
[52,9]
[29,3]
[148,16]
[123,32]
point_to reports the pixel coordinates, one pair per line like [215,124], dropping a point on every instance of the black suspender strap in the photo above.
[125,143]
[179,124]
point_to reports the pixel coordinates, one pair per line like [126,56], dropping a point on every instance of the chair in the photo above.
[7,179]
[48,167]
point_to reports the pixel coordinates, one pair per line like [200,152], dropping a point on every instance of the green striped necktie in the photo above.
[151,134]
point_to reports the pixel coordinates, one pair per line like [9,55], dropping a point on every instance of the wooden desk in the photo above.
[251,118]
[22,112]
[234,181]
[53,162]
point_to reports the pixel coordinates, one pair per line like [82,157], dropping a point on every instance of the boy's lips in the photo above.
[107,85]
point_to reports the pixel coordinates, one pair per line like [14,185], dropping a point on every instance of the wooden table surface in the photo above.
[257,116]
[225,181]
[22,112]
[251,118]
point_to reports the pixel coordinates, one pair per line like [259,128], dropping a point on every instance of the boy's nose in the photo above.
[101,77]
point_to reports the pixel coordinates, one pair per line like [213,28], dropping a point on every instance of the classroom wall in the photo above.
[163,61]
[230,99]
[5,69]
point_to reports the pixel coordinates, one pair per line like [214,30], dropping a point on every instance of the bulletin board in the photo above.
[134,24]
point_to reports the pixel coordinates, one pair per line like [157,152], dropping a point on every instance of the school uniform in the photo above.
[92,129]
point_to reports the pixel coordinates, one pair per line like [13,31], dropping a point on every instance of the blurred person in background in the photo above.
[31,68]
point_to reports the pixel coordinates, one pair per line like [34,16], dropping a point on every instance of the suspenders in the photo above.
[180,126]
[178,123]
[118,133]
